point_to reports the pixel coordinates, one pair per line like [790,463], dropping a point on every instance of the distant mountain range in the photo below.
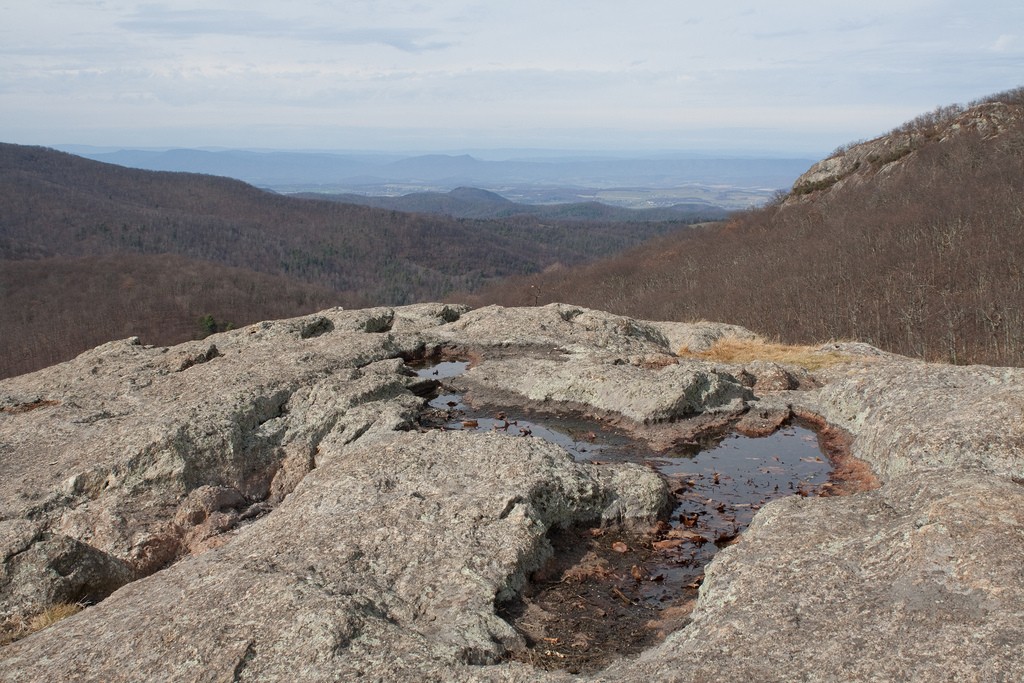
[630,182]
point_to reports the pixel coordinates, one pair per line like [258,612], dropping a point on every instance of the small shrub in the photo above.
[823,184]
[890,156]
[208,325]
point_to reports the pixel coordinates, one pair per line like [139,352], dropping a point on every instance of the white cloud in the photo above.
[1004,43]
[590,68]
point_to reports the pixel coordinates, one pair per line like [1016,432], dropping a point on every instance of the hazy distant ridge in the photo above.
[371,173]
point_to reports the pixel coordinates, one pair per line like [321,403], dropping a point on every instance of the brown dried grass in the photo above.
[739,351]
[16,629]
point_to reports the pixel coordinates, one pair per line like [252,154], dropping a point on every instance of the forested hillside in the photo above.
[913,242]
[54,308]
[73,232]
[55,204]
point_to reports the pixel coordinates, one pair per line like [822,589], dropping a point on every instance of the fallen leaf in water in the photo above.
[620,547]
[810,460]
[637,574]
[678,479]
[667,545]
[727,538]
[686,535]
[660,528]
[596,531]
[689,520]
[589,567]
[470,424]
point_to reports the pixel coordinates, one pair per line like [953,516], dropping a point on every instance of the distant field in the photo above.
[724,196]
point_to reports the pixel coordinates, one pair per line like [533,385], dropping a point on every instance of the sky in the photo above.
[784,77]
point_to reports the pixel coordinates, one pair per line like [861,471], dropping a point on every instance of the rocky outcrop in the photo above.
[857,162]
[263,505]
[146,454]
[385,561]
[915,416]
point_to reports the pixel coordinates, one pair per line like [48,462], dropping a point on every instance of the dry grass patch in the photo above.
[739,351]
[17,629]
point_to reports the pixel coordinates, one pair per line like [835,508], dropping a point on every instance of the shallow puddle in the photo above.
[583,439]
[607,593]
[718,491]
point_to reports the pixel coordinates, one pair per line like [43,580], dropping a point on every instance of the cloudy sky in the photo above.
[792,76]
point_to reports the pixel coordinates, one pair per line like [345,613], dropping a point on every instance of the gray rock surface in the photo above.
[910,416]
[920,580]
[640,394]
[385,561]
[261,505]
[700,336]
[553,328]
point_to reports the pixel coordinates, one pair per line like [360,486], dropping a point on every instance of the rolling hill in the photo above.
[69,213]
